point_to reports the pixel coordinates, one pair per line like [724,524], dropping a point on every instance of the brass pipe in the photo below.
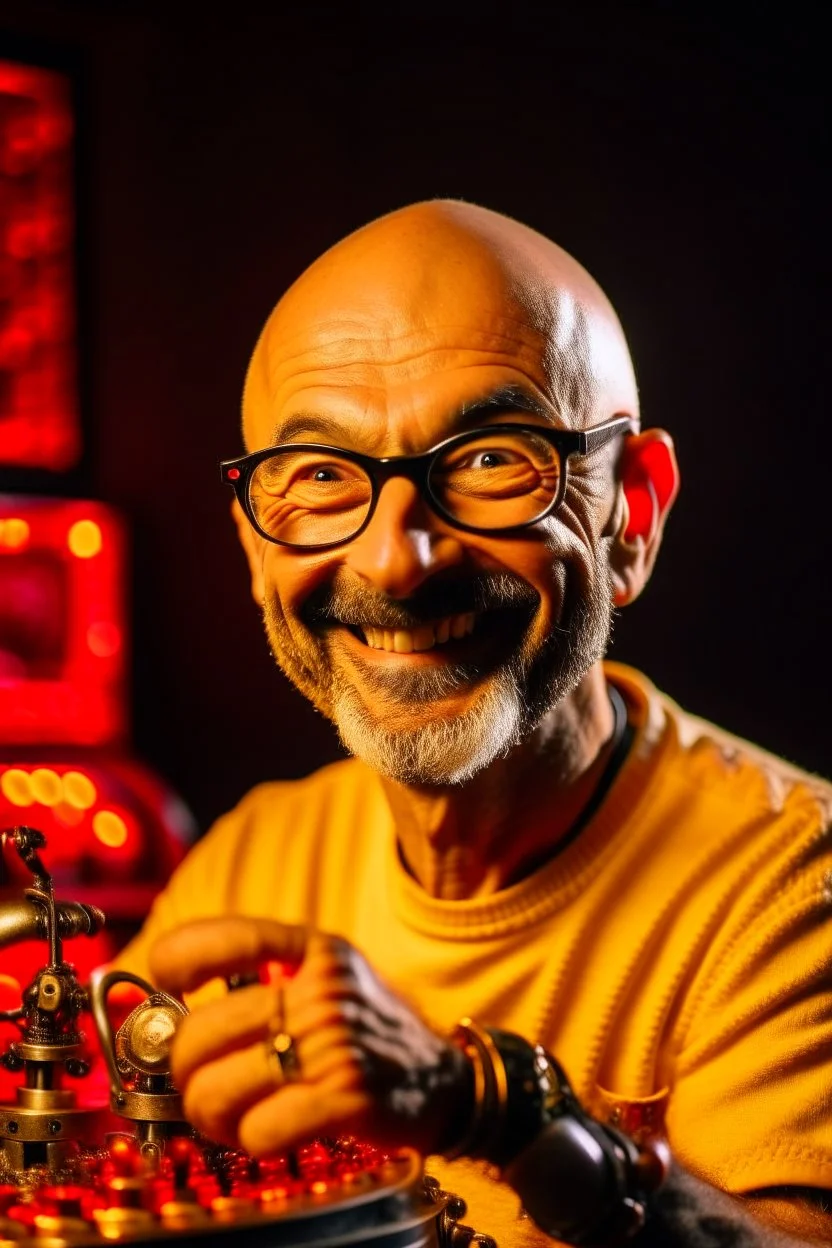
[27,920]
[21,920]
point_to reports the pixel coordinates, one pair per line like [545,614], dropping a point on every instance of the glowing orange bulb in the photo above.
[110,828]
[79,790]
[16,787]
[84,539]
[46,786]
[14,533]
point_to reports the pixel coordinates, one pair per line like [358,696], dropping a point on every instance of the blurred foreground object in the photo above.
[78,1176]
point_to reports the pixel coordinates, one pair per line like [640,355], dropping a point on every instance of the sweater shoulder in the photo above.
[716,765]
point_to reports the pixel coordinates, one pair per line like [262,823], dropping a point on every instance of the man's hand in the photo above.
[366,1062]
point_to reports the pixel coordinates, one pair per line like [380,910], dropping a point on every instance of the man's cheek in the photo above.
[548,575]
[297,651]
[574,558]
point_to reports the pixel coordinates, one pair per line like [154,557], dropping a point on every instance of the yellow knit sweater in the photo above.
[683,941]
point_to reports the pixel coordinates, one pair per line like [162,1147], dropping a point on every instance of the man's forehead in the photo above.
[425,291]
[389,350]
[403,390]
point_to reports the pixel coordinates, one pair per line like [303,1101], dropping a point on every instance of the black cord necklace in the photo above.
[620,742]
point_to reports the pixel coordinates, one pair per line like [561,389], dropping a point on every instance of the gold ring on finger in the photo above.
[280,1046]
[283,1058]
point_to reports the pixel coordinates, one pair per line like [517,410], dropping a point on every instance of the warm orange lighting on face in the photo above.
[110,828]
[84,539]
[14,533]
[16,787]
[79,790]
[103,639]
[46,786]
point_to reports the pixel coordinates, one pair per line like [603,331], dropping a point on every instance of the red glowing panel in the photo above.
[114,831]
[39,426]
[108,824]
[62,623]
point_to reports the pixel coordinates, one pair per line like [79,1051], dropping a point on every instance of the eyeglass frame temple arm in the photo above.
[590,440]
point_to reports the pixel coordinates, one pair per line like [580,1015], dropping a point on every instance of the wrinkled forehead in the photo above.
[423,304]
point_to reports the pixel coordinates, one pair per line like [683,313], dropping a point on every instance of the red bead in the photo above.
[24,1213]
[206,1190]
[125,1157]
[8,1196]
[273,1169]
[157,1193]
[63,1200]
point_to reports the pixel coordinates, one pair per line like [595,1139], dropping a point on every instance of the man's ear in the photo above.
[253,544]
[648,479]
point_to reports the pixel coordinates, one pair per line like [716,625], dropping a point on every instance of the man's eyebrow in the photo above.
[307,426]
[511,398]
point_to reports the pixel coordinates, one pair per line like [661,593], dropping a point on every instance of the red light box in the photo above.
[39,423]
[63,640]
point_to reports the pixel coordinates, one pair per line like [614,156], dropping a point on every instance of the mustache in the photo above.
[345,602]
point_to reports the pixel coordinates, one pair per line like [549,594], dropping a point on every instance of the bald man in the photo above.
[446,494]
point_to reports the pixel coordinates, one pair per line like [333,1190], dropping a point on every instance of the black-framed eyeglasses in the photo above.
[485,481]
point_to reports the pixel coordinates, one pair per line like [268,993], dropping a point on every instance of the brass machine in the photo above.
[136,1172]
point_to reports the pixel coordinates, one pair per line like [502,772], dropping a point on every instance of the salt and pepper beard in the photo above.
[508,703]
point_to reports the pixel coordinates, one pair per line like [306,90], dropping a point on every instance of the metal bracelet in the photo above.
[582,1182]
[465,1039]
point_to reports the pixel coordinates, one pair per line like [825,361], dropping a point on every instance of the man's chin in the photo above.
[429,744]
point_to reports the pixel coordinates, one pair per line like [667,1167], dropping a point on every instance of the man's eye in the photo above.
[489,459]
[325,474]
[303,470]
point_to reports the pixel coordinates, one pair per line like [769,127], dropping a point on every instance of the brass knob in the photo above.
[144,1039]
[50,992]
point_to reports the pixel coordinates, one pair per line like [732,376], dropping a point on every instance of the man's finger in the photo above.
[199,951]
[221,1092]
[296,1113]
[219,1027]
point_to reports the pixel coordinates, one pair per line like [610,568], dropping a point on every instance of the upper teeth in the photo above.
[406,640]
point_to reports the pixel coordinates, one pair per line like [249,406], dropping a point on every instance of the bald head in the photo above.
[438,285]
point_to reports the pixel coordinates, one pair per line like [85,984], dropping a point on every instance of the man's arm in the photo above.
[368,1064]
[691,1214]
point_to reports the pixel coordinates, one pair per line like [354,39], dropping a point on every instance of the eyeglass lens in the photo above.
[487,481]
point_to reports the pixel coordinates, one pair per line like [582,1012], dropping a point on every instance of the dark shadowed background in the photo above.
[677,156]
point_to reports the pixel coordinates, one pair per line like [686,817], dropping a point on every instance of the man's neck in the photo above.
[473,839]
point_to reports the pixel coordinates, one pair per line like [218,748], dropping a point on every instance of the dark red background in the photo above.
[678,157]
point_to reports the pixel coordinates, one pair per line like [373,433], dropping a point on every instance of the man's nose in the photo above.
[404,544]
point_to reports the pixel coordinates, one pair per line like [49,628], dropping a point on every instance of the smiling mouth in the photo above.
[423,637]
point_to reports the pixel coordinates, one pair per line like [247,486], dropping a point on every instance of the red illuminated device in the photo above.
[115,830]
[62,627]
[39,425]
